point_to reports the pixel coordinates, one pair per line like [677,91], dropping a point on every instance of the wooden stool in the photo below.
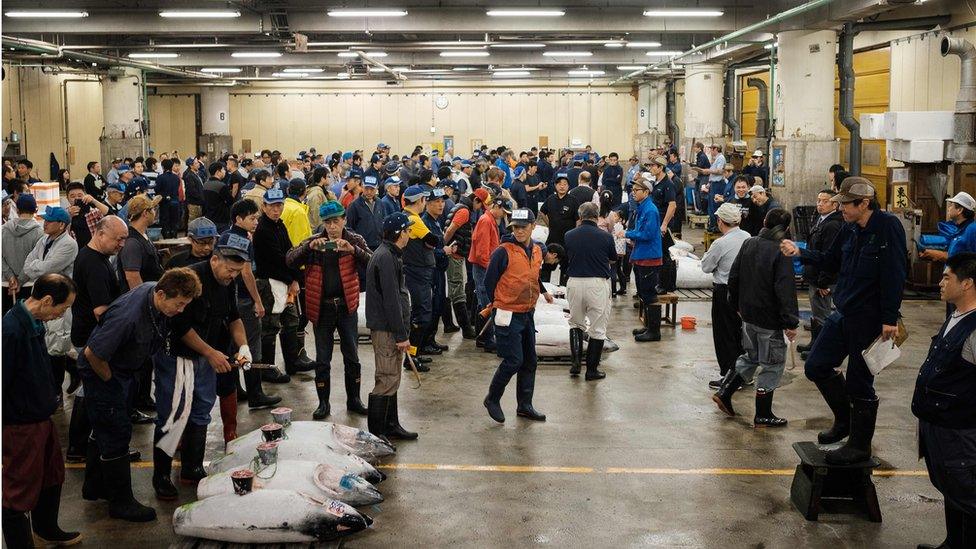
[670,303]
[696,220]
[816,480]
[709,238]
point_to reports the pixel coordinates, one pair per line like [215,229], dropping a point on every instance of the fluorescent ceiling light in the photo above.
[520,45]
[465,53]
[455,43]
[338,44]
[220,70]
[47,14]
[643,44]
[582,42]
[347,54]
[525,13]
[369,54]
[465,69]
[510,74]
[367,13]
[769,46]
[153,55]
[630,67]
[190,45]
[342,75]
[420,71]
[585,72]
[289,74]
[302,70]
[613,45]
[200,14]
[567,53]
[511,69]
[682,13]
[256,54]
[663,53]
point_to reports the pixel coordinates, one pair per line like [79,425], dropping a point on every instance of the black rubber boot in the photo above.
[575,351]
[75,380]
[723,397]
[78,430]
[814,332]
[322,389]
[376,416]
[191,456]
[447,318]
[44,520]
[271,375]
[353,403]
[594,352]
[93,488]
[122,504]
[834,391]
[652,320]
[393,427]
[493,401]
[256,398]
[639,305]
[16,529]
[764,411]
[162,480]
[528,412]
[858,445]
[464,320]
[292,350]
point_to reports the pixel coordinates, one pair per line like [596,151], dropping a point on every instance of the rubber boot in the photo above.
[191,456]
[143,400]
[834,391]
[93,489]
[639,305]
[78,430]
[44,520]
[858,445]
[376,418]
[271,375]
[74,379]
[723,397]
[652,320]
[814,332]
[353,402]
[594,352]
[228,416]
[493,403]
[426,343]
[461,313]
[256,398]
[447,317]
[575,351]
[322,389]
[162,480]
[393,427]
[292,350]
[16,529]
[764,411]
[122,504]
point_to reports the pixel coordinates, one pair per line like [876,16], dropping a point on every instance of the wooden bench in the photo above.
[697,220]
[817,482]
[670,303]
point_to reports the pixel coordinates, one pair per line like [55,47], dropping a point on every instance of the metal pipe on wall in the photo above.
[671,112]
[964,119]
[845,69]
[731,119]
[762,110]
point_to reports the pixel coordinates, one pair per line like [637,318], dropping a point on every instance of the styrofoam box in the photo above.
[919,150]
[872,126]
[918,125]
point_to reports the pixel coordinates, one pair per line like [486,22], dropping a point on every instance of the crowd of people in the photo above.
[432,243]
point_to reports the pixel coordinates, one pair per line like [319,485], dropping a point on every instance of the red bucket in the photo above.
[688,322]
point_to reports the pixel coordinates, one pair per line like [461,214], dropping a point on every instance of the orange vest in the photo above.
[518,287]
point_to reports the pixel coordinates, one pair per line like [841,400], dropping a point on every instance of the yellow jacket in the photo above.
[295,218]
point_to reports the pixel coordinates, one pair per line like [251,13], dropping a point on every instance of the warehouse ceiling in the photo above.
[461,39]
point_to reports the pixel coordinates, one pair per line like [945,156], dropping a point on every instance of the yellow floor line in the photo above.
[663,471]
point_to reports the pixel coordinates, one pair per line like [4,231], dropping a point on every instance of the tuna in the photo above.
[341,438]
[302,450]
[320,480]
[268,516]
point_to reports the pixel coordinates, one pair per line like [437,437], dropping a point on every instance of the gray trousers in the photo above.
[455,280]
[388,361]
[765,351]
[820,306]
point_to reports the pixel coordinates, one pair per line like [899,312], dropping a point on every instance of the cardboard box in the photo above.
[918,125]
[919,150]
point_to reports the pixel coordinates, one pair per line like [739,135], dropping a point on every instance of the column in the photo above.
[122,111]
[215,135]
[703,104]
[803,99]
[652,111]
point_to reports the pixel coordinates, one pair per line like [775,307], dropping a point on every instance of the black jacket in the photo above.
[590,251]
[193,187]
[217,200]
[28,384]
[821,237]
[271,243]
[387,300]
[761,285]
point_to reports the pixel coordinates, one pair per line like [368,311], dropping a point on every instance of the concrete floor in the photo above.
[634,446]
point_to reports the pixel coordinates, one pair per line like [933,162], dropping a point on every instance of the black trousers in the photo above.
[726,329]
[950,456]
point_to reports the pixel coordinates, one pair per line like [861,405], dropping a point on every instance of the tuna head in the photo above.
[349,488]
[342,520]
[362,443]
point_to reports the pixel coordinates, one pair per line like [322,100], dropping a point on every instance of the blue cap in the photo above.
[26,203]
[119,187]
[369,181]
[234,245]
[505,204]
[274,196]
[521,217]
[476,154]
[331,209]
[382,146]
[437,194]
[435,152]
[189,162]
[392,167]
[346,156]
[355,173]
[375,158]
[56,213]
[519,170]
[201,227]
[466,164]
[302,154]
[123,168]
[396,222]
[393,180]
[448,183]
[562,175]
[416,192]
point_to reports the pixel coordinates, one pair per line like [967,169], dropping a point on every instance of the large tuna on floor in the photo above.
[302,450]
[319,480]
[268,516]
[341,438]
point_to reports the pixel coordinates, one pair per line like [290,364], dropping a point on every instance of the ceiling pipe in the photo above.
[964,120]
[362,55]
[782,16]
[912,23]
[39,46]
[731,119]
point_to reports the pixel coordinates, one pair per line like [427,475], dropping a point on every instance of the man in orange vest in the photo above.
[513,286]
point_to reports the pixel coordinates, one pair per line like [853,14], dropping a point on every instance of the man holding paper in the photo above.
[945,404]
[869,254]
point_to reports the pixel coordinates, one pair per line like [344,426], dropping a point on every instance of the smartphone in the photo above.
[331,246]
[79,202]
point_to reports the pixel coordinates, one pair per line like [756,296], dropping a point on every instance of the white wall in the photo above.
[921,79]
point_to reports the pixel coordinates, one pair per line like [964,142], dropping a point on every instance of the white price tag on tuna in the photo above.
[336,508]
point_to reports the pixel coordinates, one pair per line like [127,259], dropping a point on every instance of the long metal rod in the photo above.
[362,55]
[111,60]
[799,10]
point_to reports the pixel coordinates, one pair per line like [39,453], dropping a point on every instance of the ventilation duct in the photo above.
[671,112]
[731,119]
[963,147]
[845,69]
[762,111]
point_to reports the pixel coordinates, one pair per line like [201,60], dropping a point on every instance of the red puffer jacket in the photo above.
[314,262]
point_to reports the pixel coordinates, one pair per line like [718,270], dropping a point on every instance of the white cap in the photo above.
[758,153]
[647,176]
[965,200]
[757,189]
[729,213]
